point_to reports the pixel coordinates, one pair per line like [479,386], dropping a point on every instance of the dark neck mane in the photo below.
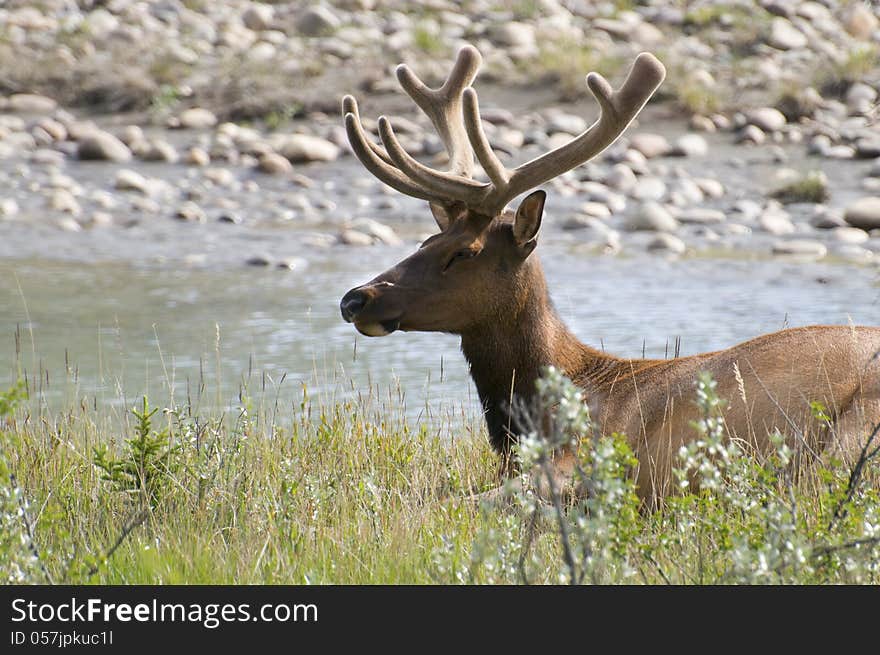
[507,355]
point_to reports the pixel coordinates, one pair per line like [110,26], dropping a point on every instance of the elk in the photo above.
[480,278]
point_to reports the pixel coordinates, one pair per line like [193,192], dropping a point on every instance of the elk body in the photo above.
[479,278]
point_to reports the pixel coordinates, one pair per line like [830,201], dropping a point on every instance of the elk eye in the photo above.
[461,255]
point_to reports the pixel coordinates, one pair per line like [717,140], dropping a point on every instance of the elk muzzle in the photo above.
[360,306]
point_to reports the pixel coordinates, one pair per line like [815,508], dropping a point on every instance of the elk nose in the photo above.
[352,303]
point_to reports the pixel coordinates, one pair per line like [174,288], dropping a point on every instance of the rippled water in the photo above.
[111,332]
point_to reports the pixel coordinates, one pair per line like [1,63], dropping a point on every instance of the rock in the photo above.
[650,145]
[825,218]
[652,216]
[190,211]
[300,148]
[868,147]
[667,243]
[129,180]
[785,36]
[649,188]
[316,21]
[197,157]
[751,134]
[597,209]
[851,235]
[64,201]
[801,248]
[100,219]
[512,35]
[103,146]
[621,178]
[776,222]
[8,208]
[258,260]
[860,98]
[30,103]
[379,231]
[258,17]
[229,217]
[701,216]
[157,150]
[690,145]
[274,164]
[222,177]
[54,129]
[195,118]
[766,118]
[859,21]
[567,124]
[355,238]
[69,224]
[863,213]
[710,187]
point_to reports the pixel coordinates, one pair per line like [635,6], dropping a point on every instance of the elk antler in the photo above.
[455,113]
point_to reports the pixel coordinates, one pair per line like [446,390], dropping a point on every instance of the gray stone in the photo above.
[30,103]
[621,178]
[785,36]
[691,145]
[567,124]
[650,145]
[652,216]
[258,260]
[649,188]
[316,21]
[849,235]
[667,243]
[863,213]
[513,35]
[258,17]
[195,118]
[379,231]
[64,201]
[300,148]
[751,134]
[197,157]
[801,248]
[190,211]
[274,164]
[129,180]
[768,119]
[100,145]
[355,238]
[776,222]
[701,216]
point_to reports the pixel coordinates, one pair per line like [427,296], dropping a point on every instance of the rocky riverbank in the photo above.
[209,133]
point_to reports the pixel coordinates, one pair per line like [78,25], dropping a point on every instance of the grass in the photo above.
[812,188]
[565,62]
[346,493]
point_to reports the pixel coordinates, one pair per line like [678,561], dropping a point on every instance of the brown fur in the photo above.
[497,301]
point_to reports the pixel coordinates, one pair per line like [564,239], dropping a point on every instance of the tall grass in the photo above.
[345,492]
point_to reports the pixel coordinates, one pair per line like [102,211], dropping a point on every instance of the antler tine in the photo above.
[443,106]
[496,171]
[350,106]
[368,153]
[618,109]
[445,184]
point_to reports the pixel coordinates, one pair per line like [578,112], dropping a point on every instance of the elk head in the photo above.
[477,267]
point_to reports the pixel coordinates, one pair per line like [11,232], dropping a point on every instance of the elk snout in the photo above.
[352,303]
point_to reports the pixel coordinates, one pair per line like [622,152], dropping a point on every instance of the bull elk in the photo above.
[479,278]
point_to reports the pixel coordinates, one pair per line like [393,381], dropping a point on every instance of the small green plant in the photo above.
[426,37]
[564,61]
[812,187]
[148,464]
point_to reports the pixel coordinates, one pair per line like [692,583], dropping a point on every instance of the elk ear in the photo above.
[445,215]
[527,221]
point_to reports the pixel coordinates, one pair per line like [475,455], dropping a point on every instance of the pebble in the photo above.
[300,148]
[317,20]
[701,216]
[650,145]
[785,36]
[100,145]
[652,216]
[274,164]
[768,119]
[690,145]
[195,118]
[863,213]
[667,243]
[355,238]
[800,247]
[190,211]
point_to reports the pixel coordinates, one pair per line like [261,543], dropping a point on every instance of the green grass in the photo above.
[350,493]
[812,187]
